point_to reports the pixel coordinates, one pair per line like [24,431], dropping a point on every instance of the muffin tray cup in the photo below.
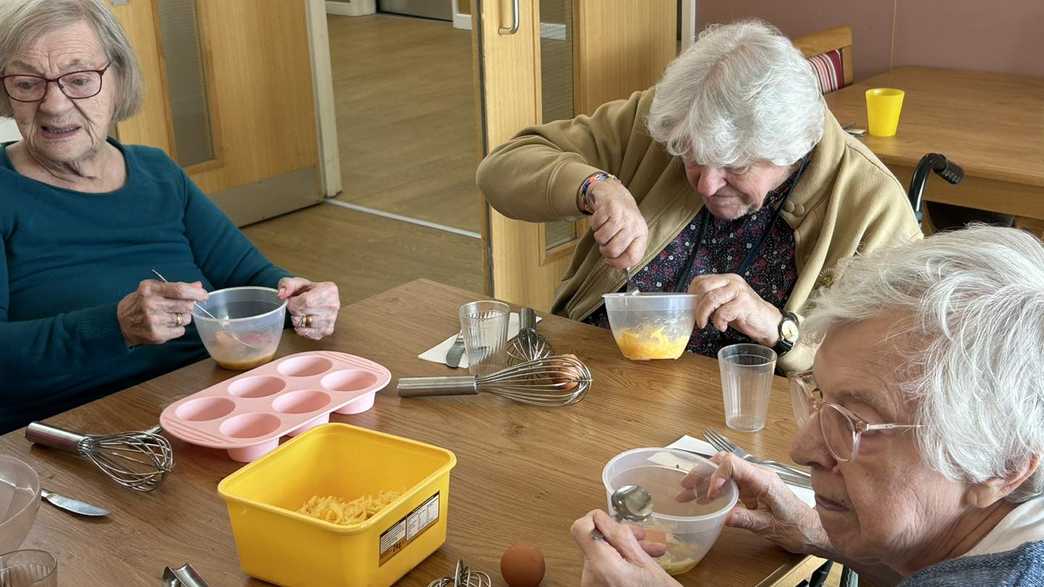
[248,414]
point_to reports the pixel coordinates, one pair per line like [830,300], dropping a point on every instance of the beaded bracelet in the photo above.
[583,196]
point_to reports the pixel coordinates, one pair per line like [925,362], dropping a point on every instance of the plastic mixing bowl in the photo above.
[651,325]
[688,528]
[19,501]
[246,327]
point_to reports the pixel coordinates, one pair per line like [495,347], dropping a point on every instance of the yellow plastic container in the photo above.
[883,106]
[279,545]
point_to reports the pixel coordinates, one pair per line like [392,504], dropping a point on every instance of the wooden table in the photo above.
[991,124]
[508,456]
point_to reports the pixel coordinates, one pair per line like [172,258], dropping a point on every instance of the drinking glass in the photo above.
[746,382]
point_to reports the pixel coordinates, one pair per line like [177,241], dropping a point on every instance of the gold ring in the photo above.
[306,322]
[177,320]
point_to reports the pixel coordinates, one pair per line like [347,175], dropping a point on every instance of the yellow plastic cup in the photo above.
[883,106]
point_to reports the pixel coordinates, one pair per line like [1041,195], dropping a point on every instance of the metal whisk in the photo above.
[136,460]
[463,576]
[529,345]
[558,380]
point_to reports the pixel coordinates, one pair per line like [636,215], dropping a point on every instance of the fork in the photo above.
[721,443]
[788,478]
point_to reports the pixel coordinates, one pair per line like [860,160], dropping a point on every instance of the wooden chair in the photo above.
[832,47]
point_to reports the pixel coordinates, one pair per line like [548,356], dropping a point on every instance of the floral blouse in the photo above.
[722,248]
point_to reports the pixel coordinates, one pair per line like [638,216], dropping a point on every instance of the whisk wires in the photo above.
[463,576]
[528,345]
[136,460]
[551,381]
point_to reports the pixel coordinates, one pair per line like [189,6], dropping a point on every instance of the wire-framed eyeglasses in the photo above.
[842,428]
[76,85]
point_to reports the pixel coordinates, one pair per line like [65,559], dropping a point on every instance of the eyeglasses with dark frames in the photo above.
[76,85]
[842,429]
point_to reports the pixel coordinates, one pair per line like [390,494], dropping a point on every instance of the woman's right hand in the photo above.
[767,506]
[622,558]
[619,227]
[157,312]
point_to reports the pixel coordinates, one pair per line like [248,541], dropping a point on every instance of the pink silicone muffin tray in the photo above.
[246,415]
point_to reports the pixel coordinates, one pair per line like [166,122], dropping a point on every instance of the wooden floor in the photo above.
[406,117]
[366,254]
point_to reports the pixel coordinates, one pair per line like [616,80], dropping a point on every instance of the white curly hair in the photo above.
[741,94]
[973,300]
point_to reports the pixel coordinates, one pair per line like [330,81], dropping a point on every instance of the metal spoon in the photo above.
[632,287]
[631,503]
[73,505]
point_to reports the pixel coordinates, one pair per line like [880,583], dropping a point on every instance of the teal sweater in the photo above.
[67,258]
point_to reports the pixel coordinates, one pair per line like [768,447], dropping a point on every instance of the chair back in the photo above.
[830,54]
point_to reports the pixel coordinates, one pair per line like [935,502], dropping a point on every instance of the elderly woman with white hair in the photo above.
[729,179]
[84,220]
[922,422]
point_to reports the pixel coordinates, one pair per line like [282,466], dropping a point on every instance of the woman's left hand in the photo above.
[727,300]
[766,505]
[313,307]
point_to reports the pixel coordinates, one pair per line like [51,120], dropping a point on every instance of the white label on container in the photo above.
[433,509]
[392,537]
[413,524]
[423,516]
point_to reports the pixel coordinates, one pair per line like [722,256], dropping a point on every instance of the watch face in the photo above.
[789,330]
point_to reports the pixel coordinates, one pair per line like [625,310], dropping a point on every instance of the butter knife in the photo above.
[72,505]
[455,352]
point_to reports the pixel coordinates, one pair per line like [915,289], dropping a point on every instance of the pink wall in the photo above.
[965,34]
[971,34]
[871,22]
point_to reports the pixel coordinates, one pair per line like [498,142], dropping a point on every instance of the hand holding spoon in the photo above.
[631,503]
[213,317]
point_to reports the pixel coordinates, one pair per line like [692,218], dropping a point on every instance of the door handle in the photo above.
[515,19]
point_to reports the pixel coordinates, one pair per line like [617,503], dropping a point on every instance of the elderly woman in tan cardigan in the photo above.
[730,179]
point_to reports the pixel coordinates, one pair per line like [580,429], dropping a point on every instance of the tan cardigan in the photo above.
[535,176]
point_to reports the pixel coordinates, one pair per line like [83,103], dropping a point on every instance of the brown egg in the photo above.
[522,566]
[568,377]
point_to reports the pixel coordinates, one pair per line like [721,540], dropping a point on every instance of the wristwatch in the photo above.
[788,334]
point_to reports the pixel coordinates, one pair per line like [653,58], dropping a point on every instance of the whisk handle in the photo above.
[526,319]
[437,386]
[53,437]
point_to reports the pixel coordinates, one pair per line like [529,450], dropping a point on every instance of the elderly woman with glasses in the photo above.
[922,422]
[85,219]
[730,179]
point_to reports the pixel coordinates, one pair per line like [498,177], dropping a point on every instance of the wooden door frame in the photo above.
[325,112]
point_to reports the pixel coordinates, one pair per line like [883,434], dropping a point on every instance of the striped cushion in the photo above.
[830,70]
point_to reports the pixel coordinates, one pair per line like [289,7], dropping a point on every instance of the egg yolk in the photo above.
[650,342]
